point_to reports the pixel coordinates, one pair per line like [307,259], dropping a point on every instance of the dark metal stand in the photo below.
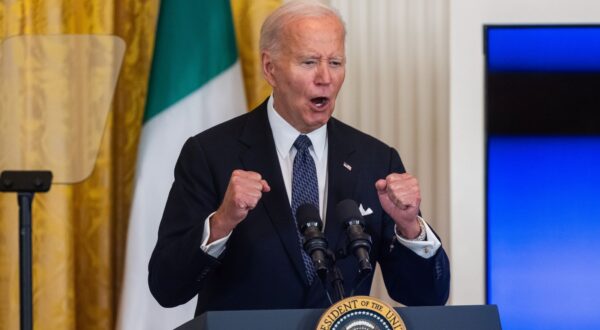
[337,280]
[25,184]
[25,260]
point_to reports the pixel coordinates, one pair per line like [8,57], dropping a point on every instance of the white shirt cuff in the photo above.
[215,248]
[426,248]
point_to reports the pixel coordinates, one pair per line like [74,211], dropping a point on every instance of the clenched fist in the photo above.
[400,198]
[243,193]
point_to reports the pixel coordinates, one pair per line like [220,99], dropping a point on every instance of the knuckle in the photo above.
[235,179]
[253,175]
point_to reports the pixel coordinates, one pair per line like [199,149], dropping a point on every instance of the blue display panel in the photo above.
[543,175]
[544,231]
[546,49]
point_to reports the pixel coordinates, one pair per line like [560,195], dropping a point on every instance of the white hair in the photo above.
[272,28]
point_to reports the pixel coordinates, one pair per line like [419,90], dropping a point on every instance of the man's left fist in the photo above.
[400,197]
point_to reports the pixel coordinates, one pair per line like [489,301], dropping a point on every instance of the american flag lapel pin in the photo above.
[347,166]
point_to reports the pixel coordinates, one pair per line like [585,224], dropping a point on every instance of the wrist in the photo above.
[417,233]
[219,227]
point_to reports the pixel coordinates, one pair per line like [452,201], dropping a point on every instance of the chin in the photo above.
[317,117]
[315,124]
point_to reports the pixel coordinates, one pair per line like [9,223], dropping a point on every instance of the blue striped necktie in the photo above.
[305,190]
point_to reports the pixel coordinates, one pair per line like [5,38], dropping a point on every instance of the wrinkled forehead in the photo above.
[324,34]
[305,25]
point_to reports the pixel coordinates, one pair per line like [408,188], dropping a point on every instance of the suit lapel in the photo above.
[261,157]
[342,178]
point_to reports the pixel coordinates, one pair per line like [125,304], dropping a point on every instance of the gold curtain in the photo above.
[248,16]
[79,229]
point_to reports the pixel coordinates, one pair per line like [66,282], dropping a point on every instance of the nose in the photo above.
[323,74]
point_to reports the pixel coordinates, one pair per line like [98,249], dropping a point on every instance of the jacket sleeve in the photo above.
[178,267]
[409,278]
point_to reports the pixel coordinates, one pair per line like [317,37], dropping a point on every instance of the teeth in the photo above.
[319,101]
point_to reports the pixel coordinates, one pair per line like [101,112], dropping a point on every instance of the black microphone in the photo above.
[315,243]
[359,242]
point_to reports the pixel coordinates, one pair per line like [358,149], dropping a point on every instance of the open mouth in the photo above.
[319,102]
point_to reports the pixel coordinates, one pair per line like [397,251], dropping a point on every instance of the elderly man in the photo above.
[228,232]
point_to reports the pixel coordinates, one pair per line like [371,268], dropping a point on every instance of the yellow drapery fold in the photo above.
[79,229]
[248,16]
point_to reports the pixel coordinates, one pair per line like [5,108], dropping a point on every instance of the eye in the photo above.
[336,63]
[309,62]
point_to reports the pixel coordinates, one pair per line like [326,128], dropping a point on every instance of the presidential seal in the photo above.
[360,313]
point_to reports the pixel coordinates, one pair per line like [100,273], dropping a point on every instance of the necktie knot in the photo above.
[302,143]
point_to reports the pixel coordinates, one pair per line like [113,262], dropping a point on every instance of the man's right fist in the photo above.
[243,193]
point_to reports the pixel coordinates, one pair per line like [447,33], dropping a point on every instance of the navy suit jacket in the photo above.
[262,267]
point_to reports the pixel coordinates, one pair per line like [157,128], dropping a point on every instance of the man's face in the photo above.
[307,72]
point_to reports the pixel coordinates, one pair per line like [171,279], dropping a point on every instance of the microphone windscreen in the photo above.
[348,210]
[307,213]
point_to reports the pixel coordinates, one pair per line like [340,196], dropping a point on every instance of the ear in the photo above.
[268,67]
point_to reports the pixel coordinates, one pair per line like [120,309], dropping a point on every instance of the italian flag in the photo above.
[195,83]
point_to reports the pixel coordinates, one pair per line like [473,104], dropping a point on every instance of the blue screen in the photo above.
[543,175]
[547,49]
[544,231]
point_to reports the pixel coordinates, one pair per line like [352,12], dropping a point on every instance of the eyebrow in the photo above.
[314,56]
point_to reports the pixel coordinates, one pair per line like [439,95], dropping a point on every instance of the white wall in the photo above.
[396,89]
[467,18]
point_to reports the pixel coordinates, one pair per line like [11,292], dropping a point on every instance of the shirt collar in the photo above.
[285,134]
